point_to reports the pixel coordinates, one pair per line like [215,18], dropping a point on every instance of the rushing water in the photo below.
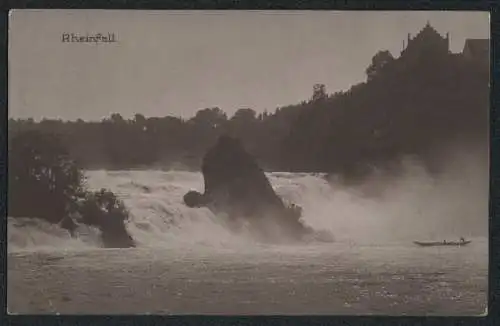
[188,262]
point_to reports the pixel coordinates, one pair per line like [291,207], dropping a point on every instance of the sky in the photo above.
[177,62]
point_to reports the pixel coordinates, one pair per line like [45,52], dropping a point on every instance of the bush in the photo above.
[104,210]
[43,179]
[44,182]
[99,205]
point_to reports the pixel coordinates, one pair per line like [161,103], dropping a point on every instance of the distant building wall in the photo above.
[477,50]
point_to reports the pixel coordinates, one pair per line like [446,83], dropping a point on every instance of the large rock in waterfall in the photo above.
[237,187]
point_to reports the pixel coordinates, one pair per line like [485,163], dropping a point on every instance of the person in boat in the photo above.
[237,186]
[462,239]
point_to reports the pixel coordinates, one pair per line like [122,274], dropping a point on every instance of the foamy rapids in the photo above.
[416,207]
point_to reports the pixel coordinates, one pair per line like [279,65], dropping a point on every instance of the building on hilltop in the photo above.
[427,42]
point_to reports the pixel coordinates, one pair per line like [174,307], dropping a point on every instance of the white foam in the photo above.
[407,208]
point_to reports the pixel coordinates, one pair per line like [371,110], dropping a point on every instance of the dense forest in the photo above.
[414,105]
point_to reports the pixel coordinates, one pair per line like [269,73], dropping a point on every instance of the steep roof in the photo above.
[427,32]
[477,47]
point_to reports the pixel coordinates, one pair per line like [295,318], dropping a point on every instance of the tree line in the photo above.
[405,108]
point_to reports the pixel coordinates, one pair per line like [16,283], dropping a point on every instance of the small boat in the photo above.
[442,243]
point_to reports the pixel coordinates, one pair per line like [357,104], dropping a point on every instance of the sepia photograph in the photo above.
[248,162]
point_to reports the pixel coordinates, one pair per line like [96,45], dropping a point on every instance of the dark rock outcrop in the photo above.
[236,186]
[115,235]
[69,225]
[102,209]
